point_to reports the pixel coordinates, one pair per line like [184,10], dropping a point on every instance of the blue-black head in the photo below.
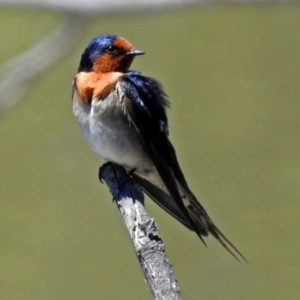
[108,53]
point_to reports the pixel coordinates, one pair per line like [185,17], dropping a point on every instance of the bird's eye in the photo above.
[111,50]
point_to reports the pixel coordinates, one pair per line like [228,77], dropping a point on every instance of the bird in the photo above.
[122,115]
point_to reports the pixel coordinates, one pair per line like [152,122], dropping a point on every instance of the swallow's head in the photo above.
[108,53]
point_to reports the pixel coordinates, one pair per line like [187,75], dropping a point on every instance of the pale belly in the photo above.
[109,134]
[115,141]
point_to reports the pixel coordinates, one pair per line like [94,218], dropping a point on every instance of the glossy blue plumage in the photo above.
[148,93]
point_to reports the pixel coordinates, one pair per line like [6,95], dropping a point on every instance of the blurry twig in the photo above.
[95,7]
[23,69]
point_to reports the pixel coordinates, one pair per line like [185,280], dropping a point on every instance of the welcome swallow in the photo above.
[122,114]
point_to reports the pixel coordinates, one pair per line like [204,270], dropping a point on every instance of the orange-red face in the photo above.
[108,53]
[115,58]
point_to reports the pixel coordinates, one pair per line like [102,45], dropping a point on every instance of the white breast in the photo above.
[109,134]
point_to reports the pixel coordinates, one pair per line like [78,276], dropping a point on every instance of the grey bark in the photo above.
[143,232]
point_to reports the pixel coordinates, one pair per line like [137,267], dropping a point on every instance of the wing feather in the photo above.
[144,102]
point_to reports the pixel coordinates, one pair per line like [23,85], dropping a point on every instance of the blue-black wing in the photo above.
[145,106]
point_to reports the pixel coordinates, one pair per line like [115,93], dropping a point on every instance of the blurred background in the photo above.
[232,74]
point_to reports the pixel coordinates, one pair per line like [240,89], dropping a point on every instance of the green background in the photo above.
[232,74]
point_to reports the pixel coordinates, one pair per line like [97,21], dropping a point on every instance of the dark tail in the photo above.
[197,213]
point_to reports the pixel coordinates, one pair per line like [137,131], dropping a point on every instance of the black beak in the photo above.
[135,52]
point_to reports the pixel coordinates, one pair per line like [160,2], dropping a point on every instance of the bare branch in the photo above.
[143,232]
[23,69]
